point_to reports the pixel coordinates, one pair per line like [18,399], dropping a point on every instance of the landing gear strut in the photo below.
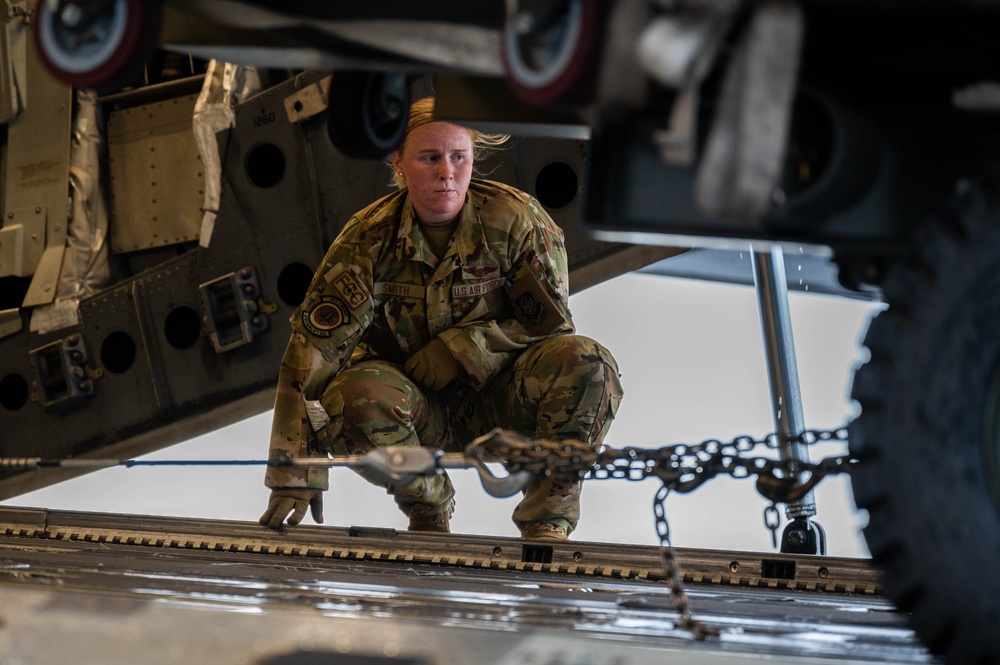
[802,535]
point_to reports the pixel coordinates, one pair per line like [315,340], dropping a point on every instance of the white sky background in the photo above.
[692,363]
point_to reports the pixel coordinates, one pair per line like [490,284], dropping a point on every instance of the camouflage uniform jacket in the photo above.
[382,293]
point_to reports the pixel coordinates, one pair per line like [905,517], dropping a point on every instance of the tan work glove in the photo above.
[294,500]
[433,365]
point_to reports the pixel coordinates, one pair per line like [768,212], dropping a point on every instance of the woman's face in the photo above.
[436,161]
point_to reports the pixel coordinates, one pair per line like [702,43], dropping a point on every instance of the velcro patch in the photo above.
[328,314]
[533,305]
[477,288]
[349,289]
[531,310]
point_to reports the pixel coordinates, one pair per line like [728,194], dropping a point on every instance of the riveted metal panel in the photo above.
[36,179]
[157,178]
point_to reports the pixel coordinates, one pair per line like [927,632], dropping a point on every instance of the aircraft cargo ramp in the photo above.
[95,587]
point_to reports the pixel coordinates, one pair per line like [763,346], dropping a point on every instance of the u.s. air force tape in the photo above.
[477,288]
[328,314]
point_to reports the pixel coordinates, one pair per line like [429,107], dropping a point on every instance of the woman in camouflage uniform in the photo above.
[439,313]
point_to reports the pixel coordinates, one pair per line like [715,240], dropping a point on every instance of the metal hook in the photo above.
[500,487]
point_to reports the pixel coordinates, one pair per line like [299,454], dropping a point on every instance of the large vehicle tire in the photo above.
[928,435]
[103,51]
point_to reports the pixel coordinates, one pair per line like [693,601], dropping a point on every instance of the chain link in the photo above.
[772,520]
[681,468]
[672,570]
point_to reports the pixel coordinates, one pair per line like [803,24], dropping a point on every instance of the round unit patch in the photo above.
[326,316]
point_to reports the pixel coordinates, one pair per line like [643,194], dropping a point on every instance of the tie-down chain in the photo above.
[681,468]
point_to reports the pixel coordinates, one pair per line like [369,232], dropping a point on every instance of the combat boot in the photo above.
[430,518]
[546,530]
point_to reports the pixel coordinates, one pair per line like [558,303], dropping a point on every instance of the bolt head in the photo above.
[524,23]
[71,15]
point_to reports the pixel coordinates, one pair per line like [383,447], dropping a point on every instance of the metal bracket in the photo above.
[678,51]
[743,159]
[677,142]
[10,322]
[22,241]
[231,311]
[309,101]
[803,536]
[61,371]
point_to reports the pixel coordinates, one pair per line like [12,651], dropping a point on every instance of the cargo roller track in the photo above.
[117,583]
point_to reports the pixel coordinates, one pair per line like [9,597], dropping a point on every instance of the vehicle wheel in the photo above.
[551,57]
[928,435]
[104,50]
[368,113]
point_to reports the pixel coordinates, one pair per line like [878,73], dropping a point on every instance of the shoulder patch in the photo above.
[529,309]
[349,289]
[325,316]
[532,303]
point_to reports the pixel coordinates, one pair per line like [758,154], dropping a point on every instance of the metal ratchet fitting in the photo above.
[401,465]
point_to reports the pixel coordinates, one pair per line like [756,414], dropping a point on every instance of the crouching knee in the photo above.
[581,387]
[371,405]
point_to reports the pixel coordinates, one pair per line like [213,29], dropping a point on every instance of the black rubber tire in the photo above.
[132,31]
[928,475]
[368,113]
[566,71]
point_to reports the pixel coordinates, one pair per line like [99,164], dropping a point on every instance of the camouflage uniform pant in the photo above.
[564,387]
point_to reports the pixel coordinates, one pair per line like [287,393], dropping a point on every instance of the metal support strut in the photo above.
[802,535]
